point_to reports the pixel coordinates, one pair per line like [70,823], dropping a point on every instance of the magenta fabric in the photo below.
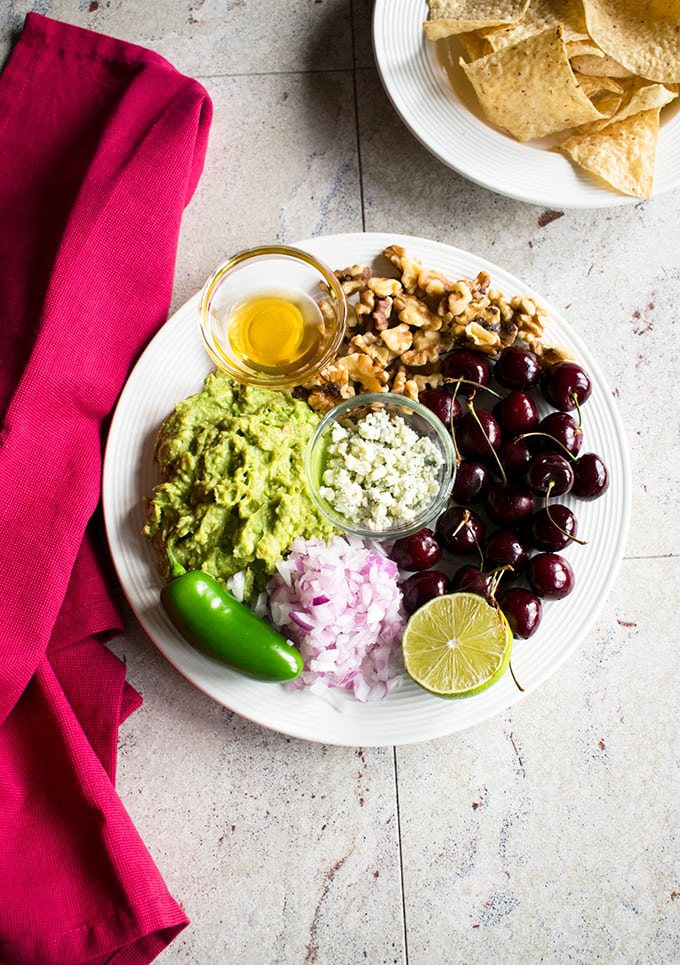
[102,144]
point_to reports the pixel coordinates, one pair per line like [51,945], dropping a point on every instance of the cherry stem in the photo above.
[512,674]
[496,577]
[581,542]
[465,522]
[546,435]
[478,385]
[578,410]
[486,436]
[456,450]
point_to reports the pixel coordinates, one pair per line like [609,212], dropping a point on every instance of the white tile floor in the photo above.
[549,833]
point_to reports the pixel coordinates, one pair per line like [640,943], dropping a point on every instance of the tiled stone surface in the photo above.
[548,833]
[279,850]
[551,830]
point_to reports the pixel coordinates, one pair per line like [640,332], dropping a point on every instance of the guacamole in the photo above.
[232,495]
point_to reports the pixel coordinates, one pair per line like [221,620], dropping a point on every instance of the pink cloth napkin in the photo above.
[102,144]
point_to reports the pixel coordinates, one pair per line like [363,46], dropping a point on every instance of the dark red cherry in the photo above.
[508,504]
[460,530]
[523,610]
[565,385]
[505,548]
[552,528]
[550,472]
[564,429]
[550,576]
[443,404]
[420,587]
[515,456]
[591,478]
[517,368]
[516,413]
[463,364]
[473,580]
[470,482]
[418,551]
[478,439]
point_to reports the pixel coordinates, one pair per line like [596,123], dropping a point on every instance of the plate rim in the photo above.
[193,666]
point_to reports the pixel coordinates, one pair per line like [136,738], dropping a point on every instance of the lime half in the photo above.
[457,645]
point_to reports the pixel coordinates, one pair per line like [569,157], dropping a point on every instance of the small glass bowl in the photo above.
[273,271]
[417,417]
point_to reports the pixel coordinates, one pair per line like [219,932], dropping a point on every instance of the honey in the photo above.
[276,330]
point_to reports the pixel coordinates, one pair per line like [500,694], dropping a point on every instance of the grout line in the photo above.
[672,555]
[299,72]
[401,860]
[356,117]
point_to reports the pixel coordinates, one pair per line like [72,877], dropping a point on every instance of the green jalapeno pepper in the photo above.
[215,622]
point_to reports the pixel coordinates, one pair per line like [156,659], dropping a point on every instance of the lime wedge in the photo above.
[457,645]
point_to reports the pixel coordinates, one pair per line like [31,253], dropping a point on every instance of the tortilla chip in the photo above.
[623,153]
[639,96]
[599,65]
[583,48]
[606,102]
[540,15]
[605,93]
[473,45]
[594,85]
[643,35]
[449,17]
[529,89]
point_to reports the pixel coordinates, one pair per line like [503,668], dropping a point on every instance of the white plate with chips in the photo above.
[434,100]
[175,365]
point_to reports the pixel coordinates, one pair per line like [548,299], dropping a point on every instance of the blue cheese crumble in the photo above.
[379,472]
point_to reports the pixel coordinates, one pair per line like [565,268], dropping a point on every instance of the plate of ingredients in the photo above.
[455,387]
[564,104]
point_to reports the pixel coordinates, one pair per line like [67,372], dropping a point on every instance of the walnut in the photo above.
[323,398]
[353,279]
[361,368]
[457,300]
[481,284]
[381,314]
[366,303]
[485,340]
[398,339]
[373,346]
[433,283]
[409,268]
[427,347]
[431,381]
[412,311]
[508,333]
[529,325]
[327,310]
[552,354]
[399,381]
[411,389]
[384,286]
[487,317]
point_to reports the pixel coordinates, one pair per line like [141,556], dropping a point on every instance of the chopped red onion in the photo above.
[340,604]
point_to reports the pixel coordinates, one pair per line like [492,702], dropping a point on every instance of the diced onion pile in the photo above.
[341,605]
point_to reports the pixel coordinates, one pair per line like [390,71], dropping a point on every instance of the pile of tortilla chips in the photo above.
[592,74]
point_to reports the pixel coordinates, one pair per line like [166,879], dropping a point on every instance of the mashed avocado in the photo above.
[233,494]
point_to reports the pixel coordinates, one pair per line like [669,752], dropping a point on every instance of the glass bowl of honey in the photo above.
[272,316]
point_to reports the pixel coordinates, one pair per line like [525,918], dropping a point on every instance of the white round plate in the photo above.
[174,366]
[436,103]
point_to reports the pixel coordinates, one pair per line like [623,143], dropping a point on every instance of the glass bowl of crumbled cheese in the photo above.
[380,466]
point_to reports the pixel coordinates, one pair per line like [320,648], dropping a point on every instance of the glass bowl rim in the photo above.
[291,379]
[445,444]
